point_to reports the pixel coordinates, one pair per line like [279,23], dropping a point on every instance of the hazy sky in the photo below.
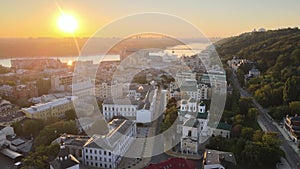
[216,18]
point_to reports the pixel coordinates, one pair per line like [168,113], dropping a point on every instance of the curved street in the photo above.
[264,119]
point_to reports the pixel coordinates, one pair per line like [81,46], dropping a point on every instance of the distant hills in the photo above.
[262,47]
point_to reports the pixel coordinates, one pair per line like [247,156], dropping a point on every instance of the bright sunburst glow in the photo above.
[70,63]
[67,23]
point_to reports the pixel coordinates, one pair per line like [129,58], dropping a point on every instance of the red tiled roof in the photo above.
[174,163]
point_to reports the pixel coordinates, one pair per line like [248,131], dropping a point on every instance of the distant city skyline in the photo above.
[215,18]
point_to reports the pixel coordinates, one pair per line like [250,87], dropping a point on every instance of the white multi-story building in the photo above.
[217,81]
[190,89]
[181,76]
[140,110]
[120,107]
[61,82]
[203,92]
[108,90]
[106,151]
[54,109]
[213,79]
[82,89]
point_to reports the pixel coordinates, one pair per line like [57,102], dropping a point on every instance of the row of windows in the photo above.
[96,158]
[96,151]
[116,114]
[116,109]
[98,164]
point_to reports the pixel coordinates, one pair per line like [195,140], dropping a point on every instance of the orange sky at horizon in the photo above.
[214,18]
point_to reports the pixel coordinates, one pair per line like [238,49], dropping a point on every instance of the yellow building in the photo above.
[54,109]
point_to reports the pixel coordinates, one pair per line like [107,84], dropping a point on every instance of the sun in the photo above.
[67,23]
[70,63]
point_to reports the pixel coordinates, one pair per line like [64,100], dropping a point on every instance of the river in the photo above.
[179,50]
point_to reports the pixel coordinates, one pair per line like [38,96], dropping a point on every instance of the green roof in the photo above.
[224,126]
[202,115]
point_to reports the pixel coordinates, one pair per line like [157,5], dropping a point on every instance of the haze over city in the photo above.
[216,18]
[148,84]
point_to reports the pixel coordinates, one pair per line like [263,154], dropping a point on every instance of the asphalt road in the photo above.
[291,156]
[158,141]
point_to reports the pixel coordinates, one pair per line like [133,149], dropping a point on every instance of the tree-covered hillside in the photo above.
[277,56]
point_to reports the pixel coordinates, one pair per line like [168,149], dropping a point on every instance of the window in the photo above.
[109,153]
[190,133]
[100,152]
[96,158]
[86,150]
[105,166]
[104,152]
[95,151]
[90,150]
[87,157]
